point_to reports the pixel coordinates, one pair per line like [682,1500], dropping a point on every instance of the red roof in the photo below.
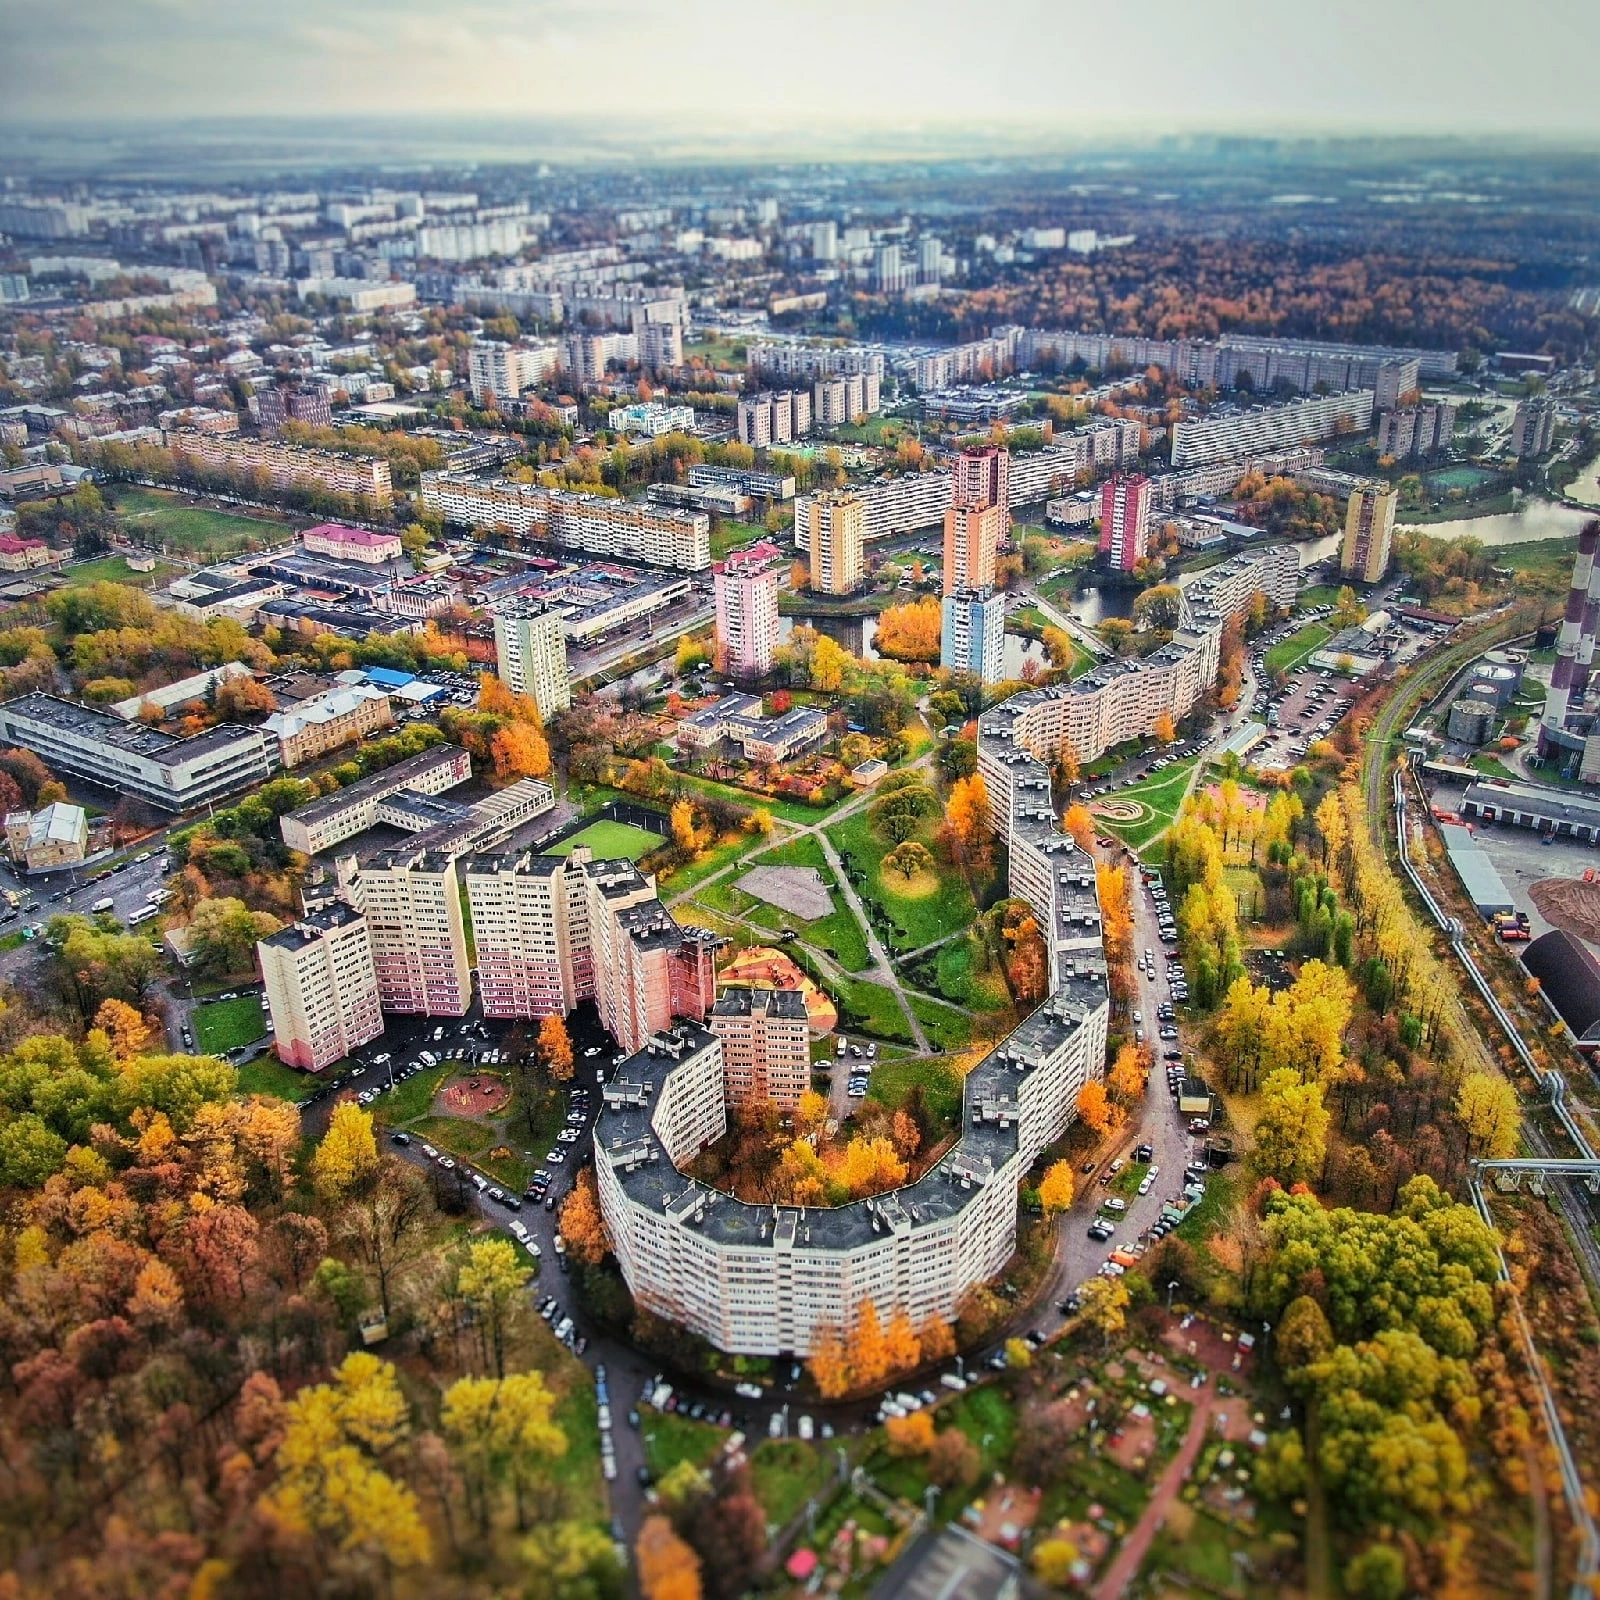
[337,533]
[11,545]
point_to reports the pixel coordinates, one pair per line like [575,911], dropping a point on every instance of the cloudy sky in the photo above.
[1468,66]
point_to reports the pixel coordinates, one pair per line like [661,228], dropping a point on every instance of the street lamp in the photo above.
[961,1367]
[1172,1284]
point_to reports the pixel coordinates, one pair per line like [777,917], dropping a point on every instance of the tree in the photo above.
[224,934]
[968,813]
[331,1485]
[1095,1108]
[348,1154]
[1058,648]
[520,750]
[1080,825]
[1378,1573]
[583,1227]
[909,859]
[1057,1188]
[954,1460]
[865,1348]
[910,632]
[829,1364]
[1128,1076]
[1019,1354]
[124,1026]
[1291,1130]
[500,1433]
[1103,1306]
[555,1048]
[668,1568]
[1487,1108]
[491,1279]
[571,1560]
[909,1436]
[683,834]
[1054,1561]
[1165,730]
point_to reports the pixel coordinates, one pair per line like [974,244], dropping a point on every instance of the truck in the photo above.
[105,903]
[1512,926]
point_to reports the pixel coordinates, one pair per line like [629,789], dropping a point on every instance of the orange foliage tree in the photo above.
[583,1228]
[1096,1109]
[910,632]
[1080,825]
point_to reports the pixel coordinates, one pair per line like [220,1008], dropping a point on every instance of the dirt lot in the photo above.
[1569,903]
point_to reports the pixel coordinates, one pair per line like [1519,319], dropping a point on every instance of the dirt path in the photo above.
[1125,1568]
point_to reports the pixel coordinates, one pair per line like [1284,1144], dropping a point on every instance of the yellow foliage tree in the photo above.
[866,1349]
[1488,1109]
[500,1433]
[555,1048]
[125,1027]
[1080,825]
[1053,1561]
[520,750]
[683,834]
[1165,729]
[901,1343]
[1096,1109]
[910,632]
[348,1154]
[829,1363]
[1057,1188]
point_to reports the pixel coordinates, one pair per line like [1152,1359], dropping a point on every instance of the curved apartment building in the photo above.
[762,1279]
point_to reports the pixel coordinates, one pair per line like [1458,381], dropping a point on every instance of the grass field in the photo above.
[941,1086]
[669,1439]
[115,569]
[266,1076]
[228,1024]
[786,1473]
[610,841]
[161,518]
[870,1008]
[413,1097]
[913,919]
[1298,647]
[946,1027]
[1160,797]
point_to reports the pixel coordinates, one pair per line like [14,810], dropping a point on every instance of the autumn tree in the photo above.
[491,1281]
[668,1568]
[909,859]
[1128,1076]
[1291,1135]
[1487,1107]
[865,1348]
[1057,1188]
[911,1435]
[683,830]
[1103,1305]
[224,932]
[829,1363]
[1164,729]
[501,1434]
[348,1153]
[583,1226]
[910,632]
[555,1048]
[967,818]
[520,750]
[1080,825]
[1099,1114]
[125,1026]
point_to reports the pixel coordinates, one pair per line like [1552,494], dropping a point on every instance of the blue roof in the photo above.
[388,677]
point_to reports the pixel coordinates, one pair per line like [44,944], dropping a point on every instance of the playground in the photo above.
[482,1095]
[762,967]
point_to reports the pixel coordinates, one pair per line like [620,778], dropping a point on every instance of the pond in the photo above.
[1533,519]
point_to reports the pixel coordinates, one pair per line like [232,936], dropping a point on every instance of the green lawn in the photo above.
[266,1076]
[610,841]
[115,569]
[892,1081]
[954,965]
[411,1099]
[946,1027]
[870,1008]
[227,1024]
[729,535]
[669,1439]
[1289,653]
[786,1473]
[909,921]
[161,518]
[1161,795]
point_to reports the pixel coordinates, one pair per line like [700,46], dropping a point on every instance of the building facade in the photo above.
[1231,435]
[972,633]
[346,812]
[352,544]
[315,726]
[1533,427]
[831,534]
[530,645]
[1125,520]
[412,904]
[321,987]
[774,417]
[285,465]
[169,771]
[1368,532]
[766,1045]
[746,587]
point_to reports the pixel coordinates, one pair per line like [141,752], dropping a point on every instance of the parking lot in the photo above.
[1308,708]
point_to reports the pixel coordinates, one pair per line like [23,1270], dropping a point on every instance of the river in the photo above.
[1533,519]
[856,634]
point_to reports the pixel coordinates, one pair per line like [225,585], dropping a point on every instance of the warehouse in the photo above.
[1569,981]
[1523,805]
[1483,884]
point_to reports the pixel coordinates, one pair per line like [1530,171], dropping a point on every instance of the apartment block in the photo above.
[841,398]
[1368,532]
[285,465]
[321,987]
[746,588]
[1533,427]
[982,477]
[659,536]
[550,933]
[651,418]
[412,904]
[972,539]
[170,771]
[1397,383]
[530,646]
[1125,520]
[1415,431]
[815,361]
[313,727]
[973,633]
[660,345]
[774,417]
[1230,435]
[830,529]
[766,1045]
[503,371]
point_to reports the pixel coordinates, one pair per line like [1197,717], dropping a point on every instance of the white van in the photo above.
[106,903]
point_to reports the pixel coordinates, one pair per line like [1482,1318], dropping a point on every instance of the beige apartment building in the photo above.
[832,537]
[321,987]
[972,537]
[530,646]
[412,904]
[1368,532]
[329,721]
[284,464]
[766,1045]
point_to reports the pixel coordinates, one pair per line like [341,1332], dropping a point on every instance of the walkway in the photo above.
[1087,637]
[1125,1568]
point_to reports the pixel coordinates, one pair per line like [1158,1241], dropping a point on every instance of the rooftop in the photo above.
[134,738]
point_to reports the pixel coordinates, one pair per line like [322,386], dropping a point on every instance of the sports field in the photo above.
[173,521]
[610,841]
[115,569]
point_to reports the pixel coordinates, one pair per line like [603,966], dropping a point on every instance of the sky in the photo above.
[819,67]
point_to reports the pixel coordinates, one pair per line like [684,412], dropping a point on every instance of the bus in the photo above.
[143,914]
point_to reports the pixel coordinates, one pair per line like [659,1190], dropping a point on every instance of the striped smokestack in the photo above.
[1584,659]
[1567,643]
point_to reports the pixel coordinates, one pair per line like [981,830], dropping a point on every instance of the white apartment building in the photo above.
[412,904]
[1533,427]
[660,345]
[814,361]
[841,398]
[503,371]
[766,1045]
[321,987]
[774,417]
[343,814]
[285,465]
[660,536]
[530,646]
[651,418]
[1232,435]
